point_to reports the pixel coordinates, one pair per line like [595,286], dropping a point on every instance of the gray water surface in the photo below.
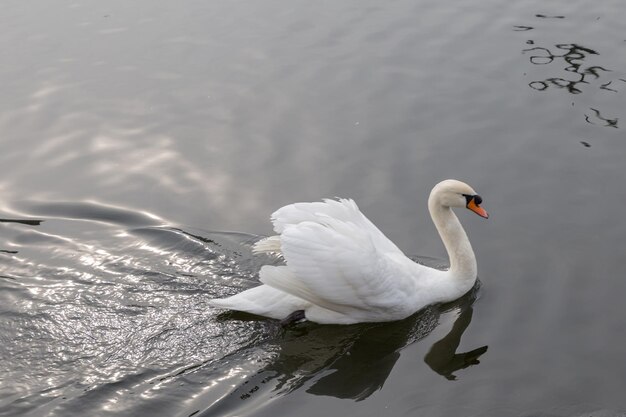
[143,147]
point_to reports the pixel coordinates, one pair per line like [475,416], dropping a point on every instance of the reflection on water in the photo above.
[574,56]
[598,117]
[443,358]
[578,73]
[28,222]
[349,362]
[543,16]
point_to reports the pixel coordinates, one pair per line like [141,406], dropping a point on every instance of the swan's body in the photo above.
[341,269]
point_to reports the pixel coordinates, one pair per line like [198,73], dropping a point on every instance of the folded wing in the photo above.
[337,259]
[343,210]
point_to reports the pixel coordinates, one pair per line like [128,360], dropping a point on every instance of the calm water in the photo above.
[133,135]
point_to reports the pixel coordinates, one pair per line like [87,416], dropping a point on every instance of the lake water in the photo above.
[147,144]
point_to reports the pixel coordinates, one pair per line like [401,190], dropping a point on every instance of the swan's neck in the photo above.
[462,260]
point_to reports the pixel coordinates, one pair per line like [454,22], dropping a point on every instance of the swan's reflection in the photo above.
[442,357]
[365,366]
[369,356]
[353,362]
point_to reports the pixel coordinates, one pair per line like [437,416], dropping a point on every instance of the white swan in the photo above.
[341,269]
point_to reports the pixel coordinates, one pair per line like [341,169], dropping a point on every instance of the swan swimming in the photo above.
[341,269]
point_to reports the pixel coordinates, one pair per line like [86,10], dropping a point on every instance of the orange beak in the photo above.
[477,209]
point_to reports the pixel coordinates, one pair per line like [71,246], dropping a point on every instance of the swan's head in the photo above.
[453,193]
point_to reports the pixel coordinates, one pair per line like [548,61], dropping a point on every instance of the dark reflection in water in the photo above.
[573,55]
[443,358]
[93,211]
[543,16]
[27,222]
[604,121]
[577,74]
[351,362]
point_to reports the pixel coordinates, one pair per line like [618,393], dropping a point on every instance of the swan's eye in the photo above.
[477,199]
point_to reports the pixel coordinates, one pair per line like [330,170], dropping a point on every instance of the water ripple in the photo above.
[98,292]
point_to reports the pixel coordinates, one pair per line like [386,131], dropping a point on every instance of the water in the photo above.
[134,135]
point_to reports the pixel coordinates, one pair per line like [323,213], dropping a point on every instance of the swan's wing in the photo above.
[343,210]
[336,264]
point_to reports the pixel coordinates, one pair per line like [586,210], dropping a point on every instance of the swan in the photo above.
[341,269]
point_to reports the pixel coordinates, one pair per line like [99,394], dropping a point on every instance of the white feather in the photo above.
[267,245]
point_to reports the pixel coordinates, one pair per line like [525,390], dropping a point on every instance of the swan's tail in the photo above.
[263,301]
[267,245]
